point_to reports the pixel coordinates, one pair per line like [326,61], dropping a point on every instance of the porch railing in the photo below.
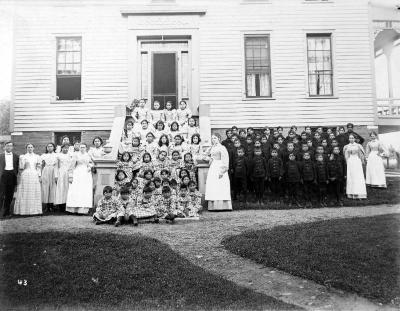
[388,107]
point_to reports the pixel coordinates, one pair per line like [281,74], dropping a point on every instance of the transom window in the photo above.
[69,62]
[258,66]
[320,72]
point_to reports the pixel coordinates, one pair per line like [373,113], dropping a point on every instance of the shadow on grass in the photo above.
[360,255]
[92,271]
[375,196]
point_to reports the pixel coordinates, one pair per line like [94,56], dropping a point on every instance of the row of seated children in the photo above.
[171,119]
[159,139]
[284,173]
[142,166]
[150,203]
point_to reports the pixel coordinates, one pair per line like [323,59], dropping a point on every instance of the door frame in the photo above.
[134,63]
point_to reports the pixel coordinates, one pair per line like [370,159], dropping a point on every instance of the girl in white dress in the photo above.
[49,161]
[28,201]
[218,191]
[63,164]
[160,130]
[126,138]
[183,114]
[96,152]
[140,113]
[375,169]
[169,113]
[355,183]
[156,114]
[191,129]
[145,128]
[80,195]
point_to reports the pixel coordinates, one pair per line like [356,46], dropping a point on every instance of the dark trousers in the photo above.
[336,188]
[275,186]
[258,183]
[322,191]
[7,187]
[239,187]
[308,190]
[293,191]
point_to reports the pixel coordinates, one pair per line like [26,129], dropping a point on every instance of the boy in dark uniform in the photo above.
[293,178]
[258,173]
[321,170]
[275,172]
[307,171]
[239,172]
[337,174]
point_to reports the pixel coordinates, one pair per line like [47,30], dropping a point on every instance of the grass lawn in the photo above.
[88,271]
[360,255]
[375,196]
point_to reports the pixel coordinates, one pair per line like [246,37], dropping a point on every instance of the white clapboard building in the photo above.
[236,62]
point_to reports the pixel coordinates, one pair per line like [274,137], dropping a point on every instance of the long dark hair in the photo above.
[54,147]
[159,141]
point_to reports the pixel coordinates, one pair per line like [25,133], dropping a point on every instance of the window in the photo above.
[69,61]
[319,58]
[258,66]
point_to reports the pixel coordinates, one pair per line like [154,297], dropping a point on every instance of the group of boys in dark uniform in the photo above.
[297,166]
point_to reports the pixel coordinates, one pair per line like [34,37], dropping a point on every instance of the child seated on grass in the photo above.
[109,209]
[145,206]
[128,205]
[194,204]
[167,206]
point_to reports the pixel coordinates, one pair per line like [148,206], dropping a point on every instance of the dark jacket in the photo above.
[337,167]
[258,167]
[321,170]
[307,170]
[15,166]
[285,155]
[292,171]
[275,167]
[239,167]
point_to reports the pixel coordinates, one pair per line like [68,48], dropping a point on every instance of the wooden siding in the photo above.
[221,65]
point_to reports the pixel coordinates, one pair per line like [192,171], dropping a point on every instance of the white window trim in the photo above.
[335,90]
[53,44]
[243,36]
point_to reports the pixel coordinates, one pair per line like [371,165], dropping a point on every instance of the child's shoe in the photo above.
[118,222]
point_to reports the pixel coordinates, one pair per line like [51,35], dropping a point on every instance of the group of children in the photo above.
[156,169]
[307,163]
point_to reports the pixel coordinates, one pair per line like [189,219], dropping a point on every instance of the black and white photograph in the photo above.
[199,155]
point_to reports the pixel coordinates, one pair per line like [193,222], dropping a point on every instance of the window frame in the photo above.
[255,35]
[54,40]
[316,33]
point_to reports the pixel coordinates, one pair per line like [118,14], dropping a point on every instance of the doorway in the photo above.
[164,79]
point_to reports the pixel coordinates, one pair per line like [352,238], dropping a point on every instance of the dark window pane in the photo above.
[257,59]
[68,87]
[164,73]
[319,65]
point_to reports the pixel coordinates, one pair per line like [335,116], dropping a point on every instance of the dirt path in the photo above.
[199,241]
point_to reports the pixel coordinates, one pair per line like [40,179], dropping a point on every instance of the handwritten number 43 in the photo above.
[23,282]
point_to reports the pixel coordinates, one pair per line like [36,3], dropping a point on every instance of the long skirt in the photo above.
[28,200]
[80,192]
[355,184]
[62,186]
[48,185]
[218,190]
[375,171]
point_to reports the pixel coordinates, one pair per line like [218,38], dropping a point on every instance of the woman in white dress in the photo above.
[28,201]
[375,169]
[80,192]
[49,161]
[218,192]
[64,160]
[355,183]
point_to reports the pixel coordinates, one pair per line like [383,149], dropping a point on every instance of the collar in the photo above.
[8,153]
